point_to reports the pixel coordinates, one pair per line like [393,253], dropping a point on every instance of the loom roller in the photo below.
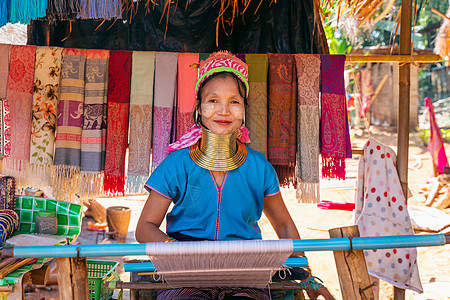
[332,244]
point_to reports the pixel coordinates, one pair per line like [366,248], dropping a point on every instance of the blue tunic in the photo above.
[204,210]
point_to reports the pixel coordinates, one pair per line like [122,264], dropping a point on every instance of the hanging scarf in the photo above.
[119,84]
[436,143]
[256,113]
[381,210]
[308,128]
[5,130]
[45,105]
[70,120]
[334,133]
[100,9]
[4,12]
[366,91]
[19,94]
[165,83]
[93,133]
[141,112]
[63,9]
[186,100]
[23,11]
[282,138]
[5,52]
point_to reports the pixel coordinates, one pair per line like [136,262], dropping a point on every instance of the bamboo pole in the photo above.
[402,59]
[404,108]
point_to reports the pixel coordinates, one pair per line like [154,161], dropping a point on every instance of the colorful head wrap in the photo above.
[222,61]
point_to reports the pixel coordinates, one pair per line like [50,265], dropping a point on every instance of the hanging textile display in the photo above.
[335,138]
[186,100]
[23,11]
[436,143]
[19,94]
[256,113]
[381,211]
[7,192]
[308,128]
[165,83]
[119,84]
[100,9]
[282,125]
[141,113]
[5,129]
[93,133]
[63,9]
[45,107]
[5,52]
[70,120]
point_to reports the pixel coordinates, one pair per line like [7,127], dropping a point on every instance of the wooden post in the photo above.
[404,108]
[73,278]
[351,266]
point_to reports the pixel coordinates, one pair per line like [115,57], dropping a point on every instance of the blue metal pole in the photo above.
[334,244]
[149,267]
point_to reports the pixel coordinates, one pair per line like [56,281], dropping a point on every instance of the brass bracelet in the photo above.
[169,240]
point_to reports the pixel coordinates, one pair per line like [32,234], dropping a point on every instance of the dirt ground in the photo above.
[312,222]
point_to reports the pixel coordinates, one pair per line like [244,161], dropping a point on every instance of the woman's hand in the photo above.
[313,294]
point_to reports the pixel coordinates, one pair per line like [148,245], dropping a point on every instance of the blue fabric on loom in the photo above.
[23,11]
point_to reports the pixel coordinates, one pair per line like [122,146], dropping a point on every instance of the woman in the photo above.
[217,185]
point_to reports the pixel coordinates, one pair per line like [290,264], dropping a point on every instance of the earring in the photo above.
[243,121]
[197,117]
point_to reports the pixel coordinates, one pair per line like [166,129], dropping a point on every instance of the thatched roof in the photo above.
[442,45]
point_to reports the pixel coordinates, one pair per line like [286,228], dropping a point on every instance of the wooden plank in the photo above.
[38,276]
[65,278]
[351,267]
[80,278]
[435,188]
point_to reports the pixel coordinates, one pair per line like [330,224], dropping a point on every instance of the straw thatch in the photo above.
[442,45]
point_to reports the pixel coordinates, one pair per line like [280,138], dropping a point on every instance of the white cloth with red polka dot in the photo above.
[380,210]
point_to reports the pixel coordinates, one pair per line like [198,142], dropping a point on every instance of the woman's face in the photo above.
[222,109]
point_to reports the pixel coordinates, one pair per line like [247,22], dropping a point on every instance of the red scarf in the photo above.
[119,84]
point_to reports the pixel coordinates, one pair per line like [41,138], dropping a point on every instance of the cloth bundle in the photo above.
[334,127]
[308,128]
[70,120]
[5,53]
[256,113]
[282,131]
[119,84]
[93,133]
[7,192]
[141,114]
[5,128]
[381,210]
[165,83]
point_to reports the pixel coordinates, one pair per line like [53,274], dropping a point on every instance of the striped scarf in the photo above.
[256,114]
[282,137]
[19,94]
[141,111]
[93,133]
[70,120]
[165,83]
[119,84]
[308,127]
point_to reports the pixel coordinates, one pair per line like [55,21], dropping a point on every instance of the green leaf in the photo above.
[49,154]
[34,154]
[39,159]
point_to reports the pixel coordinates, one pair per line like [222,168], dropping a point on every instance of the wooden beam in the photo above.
[351,266]
[404,108]
[73,278]
[393,58]
[38,277]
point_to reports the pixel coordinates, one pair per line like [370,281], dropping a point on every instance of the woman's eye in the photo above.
[235,102]
[212,100]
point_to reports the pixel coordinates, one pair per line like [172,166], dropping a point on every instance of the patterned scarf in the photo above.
[45,105]
[70,120]
[256,114]
[19,95]
[5,52]
[119,84]
[5,129]
[141,111]
[93,133]
[436,144]
[186,100]
[165,83]
[308,127]
[335,139]
[282,138]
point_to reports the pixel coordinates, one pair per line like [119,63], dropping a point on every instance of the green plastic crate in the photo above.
[99,272]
